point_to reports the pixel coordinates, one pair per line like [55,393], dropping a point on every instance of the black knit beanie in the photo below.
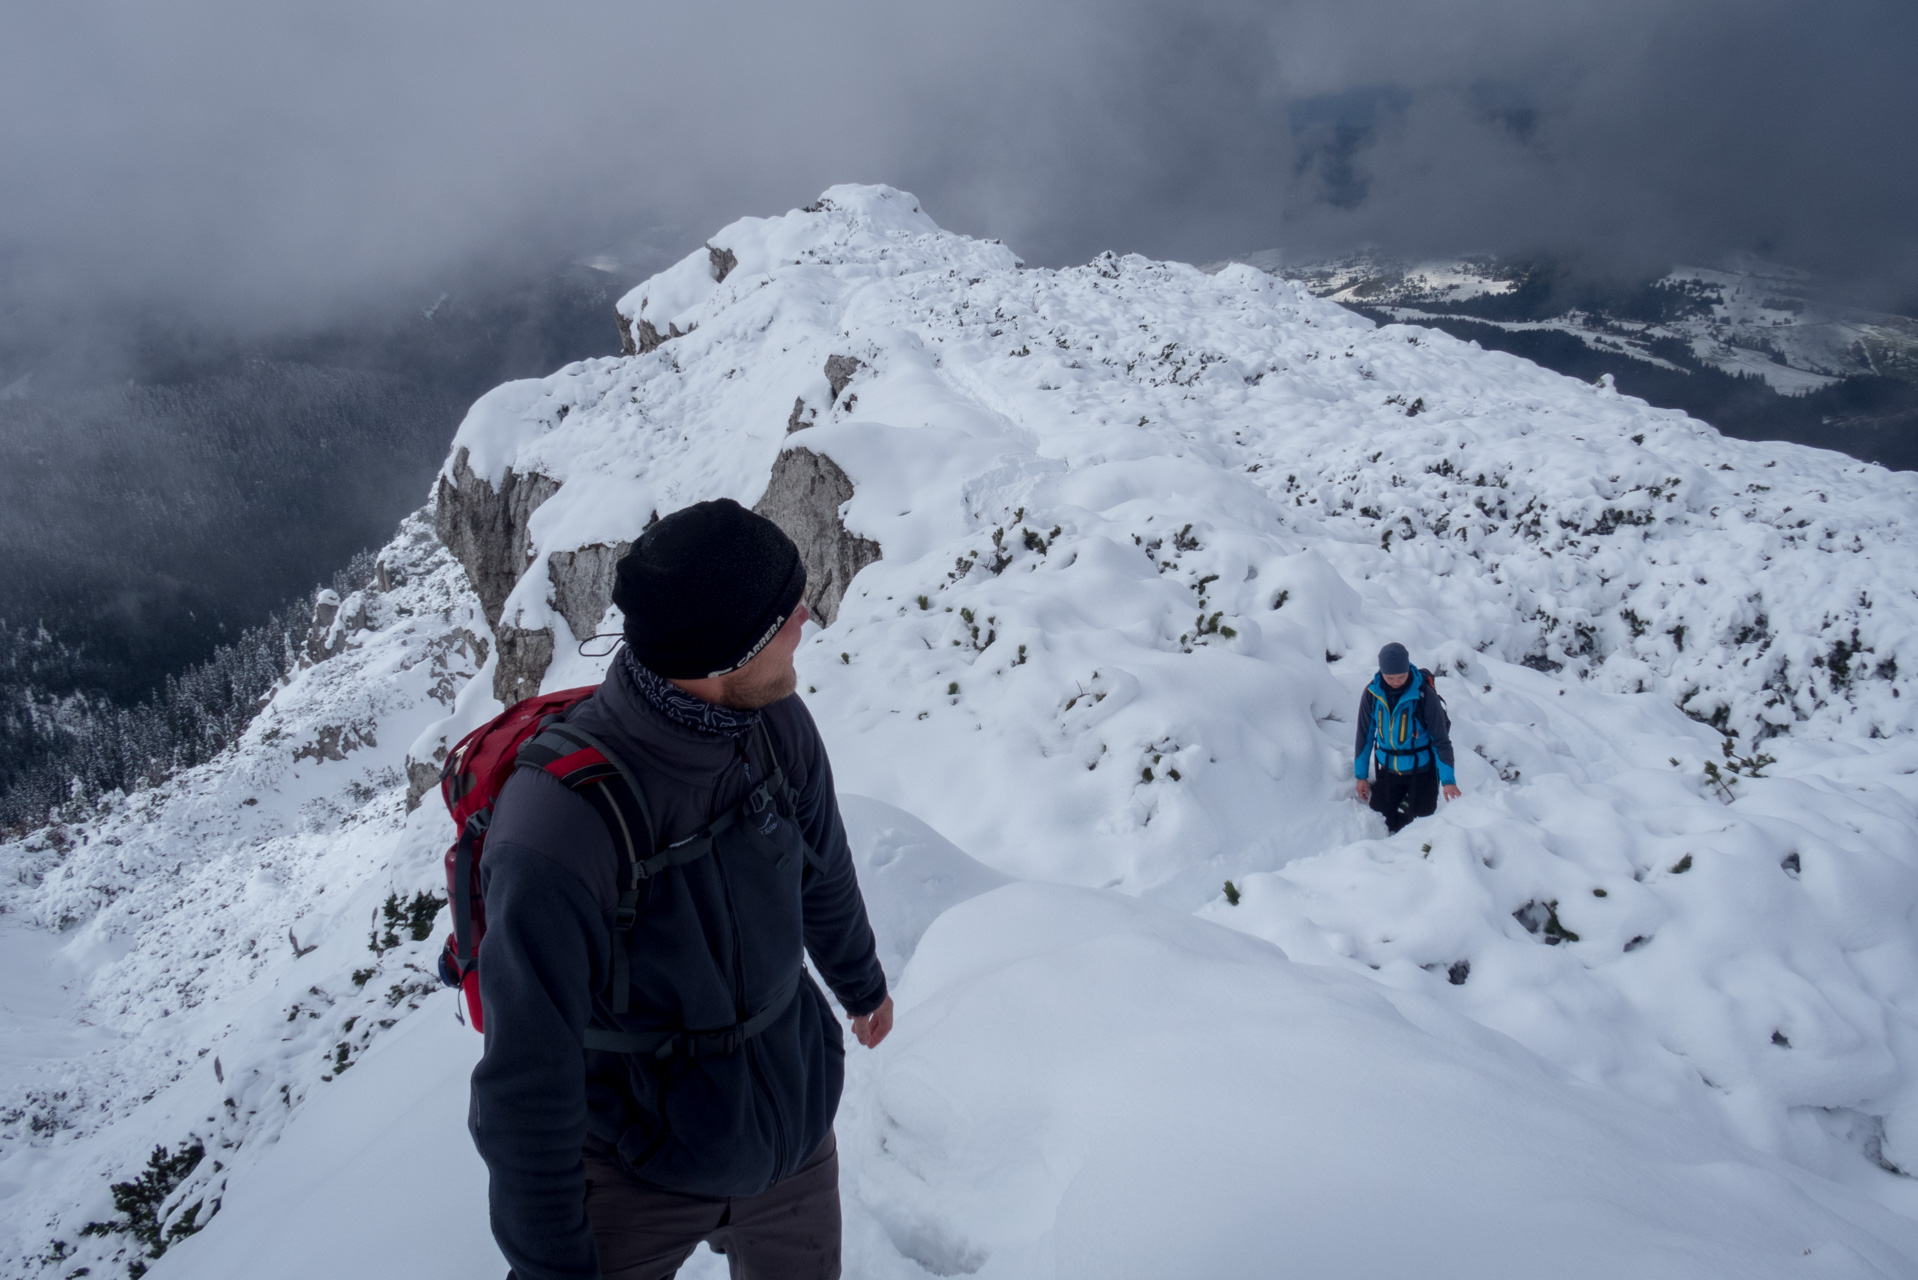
[1394,660]
[706,588]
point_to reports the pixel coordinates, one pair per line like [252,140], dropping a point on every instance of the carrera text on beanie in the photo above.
[706,588]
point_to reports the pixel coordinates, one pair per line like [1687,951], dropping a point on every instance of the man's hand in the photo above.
[1364,790]
[872,1028]
[1451,791]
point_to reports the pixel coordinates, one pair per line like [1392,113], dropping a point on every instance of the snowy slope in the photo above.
[1142,530]
[176,912]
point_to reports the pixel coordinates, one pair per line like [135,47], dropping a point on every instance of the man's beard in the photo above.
[756,689]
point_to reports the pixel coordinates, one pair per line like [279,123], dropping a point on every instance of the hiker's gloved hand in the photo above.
[872,1028]
[1451,791]
[1364,789]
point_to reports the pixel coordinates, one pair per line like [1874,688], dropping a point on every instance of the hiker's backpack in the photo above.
[528,734]
[1398,730]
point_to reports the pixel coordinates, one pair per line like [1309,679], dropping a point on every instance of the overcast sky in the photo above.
[274,162]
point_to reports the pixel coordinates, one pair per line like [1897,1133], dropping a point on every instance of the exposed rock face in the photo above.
[523,658]
[582,588]
[801,416]
[387,576]
[334,622]
[627,347]
[650,338]
[487,530]
[839,371]
[724,260]
[583,584]
[803,498]
[334,740]
[323,639]
[421,777]
[455,658]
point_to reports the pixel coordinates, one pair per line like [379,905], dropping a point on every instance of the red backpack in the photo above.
[528,734]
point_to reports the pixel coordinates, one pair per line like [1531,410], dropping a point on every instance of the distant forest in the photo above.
[57,750]
[161,536]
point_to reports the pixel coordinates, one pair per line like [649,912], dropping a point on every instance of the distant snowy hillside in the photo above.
[1755,317]
[1105,554]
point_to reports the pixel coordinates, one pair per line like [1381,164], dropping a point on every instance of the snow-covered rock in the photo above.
[1139,531]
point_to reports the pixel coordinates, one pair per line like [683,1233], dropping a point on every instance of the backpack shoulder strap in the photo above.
[778,781]
[583,763]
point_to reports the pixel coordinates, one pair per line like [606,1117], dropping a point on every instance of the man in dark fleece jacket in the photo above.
[1404,730]
[621,1130]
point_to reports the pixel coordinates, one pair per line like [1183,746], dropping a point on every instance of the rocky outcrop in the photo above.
[802,416]
[650,338]
[487,529]
[803,497]
[488,532]
[421,777]
[333,741]
[839,371]
[583,584]
[454,658]
[323,638]
[638,334]
[334,621]
[524,656]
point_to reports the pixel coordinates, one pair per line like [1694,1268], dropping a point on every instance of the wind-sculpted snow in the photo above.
[1142,530]
[1185,1102]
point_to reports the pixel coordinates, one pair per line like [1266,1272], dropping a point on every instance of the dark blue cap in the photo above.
[1394,660]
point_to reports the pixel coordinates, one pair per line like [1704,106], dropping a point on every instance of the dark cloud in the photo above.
[273,164]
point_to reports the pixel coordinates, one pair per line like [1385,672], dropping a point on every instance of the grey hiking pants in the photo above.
[790,1232]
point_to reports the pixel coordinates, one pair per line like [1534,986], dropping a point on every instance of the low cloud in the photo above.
[271,166]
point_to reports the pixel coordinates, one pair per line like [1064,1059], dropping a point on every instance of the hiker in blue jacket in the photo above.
[1403,729]
[634,1100]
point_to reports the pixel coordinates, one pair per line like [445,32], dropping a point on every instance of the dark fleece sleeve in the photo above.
[1439,726]
[545,952]
[1362,742]
[838,936]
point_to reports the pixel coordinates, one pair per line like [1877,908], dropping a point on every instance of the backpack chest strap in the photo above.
[663,1045]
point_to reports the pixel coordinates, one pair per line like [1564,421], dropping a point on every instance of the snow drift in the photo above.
[1644,996]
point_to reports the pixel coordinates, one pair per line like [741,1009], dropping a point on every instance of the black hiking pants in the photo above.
[790,1232]
[1402,797]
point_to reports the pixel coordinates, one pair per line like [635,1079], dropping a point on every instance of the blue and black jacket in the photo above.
[1405,730]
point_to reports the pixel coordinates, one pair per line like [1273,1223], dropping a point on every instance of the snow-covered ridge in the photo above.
[1141,529]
